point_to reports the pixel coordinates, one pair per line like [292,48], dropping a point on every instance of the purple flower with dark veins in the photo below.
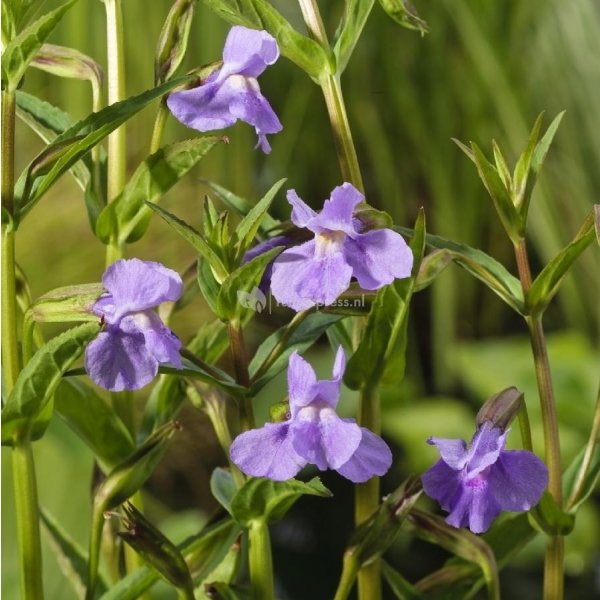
[232,92]
[313,433]
[318,271]
[127,353]
[474,484]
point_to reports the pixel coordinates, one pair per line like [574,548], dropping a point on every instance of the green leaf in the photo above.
[550,518]
[501,166]
[173,39]
[482,266]
[264,500]
[21,49]
[84,135]
[45,119]
[401,588]
[273,354]
[500,195]
[523,166]
[241,206]
[431,267]
[207,283]
[223,487]
[356,13]
[547,283]
[225,591]
[126,219]
[214,377]
[94,422]
[460,542]
[193,237]
[203,553]
[71,558]
[259,14]
[231,304]
[404,13]
[39,379]
[581,477]
[248,228]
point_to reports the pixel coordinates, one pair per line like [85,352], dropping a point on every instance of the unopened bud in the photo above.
[501,408]
[66,304]
[280,412]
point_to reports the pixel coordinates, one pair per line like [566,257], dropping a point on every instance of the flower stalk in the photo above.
[349,572]
[260,561]
[240,361]
[554,559]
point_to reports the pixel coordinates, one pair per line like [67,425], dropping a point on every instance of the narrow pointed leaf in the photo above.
[126,218]
[22,48]
[523,165]
[356,13]
[404,14]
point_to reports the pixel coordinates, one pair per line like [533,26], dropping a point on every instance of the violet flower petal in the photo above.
[518,480]
[137,285]
[328,390]
[485,448]
[442,483]
[267,452]
[300,279]
[453,452]
[301,383]
[378,257]
[337,211]
[120,361]
[325,440]
[248,52]
[301,212]
[372,457]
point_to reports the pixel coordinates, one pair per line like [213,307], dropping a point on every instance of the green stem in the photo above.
[553,564]
[525,428]
[367,494]
[334,100]
[348,577]
[10,343]
[27,517]
[260,561]
[8,150]
[159,127]
[240,361]
[117,141]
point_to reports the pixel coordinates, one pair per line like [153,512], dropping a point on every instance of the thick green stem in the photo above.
[367,494]
[240,361]
[261,561]
[553,564]
[117,141]
[8,150]
[348,577]
[10,343]
[27,517]
[159,127]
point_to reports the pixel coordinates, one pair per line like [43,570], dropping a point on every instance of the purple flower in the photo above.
[318,271]
[312,434]
[127,353]
[474,484]
[232,92]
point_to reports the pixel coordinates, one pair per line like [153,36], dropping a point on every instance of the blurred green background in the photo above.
[485,71]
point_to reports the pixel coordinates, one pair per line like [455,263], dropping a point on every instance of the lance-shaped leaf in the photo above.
[84,135]
[460,542]
[241,206]
[121,483]
[173,39]
[523,166]
[39,379]
[249,226]
[547,283]
[482,266]
[193,237]
[95,423]
[356,13]
[156,549]
[70,556]
[259,14]
[230,304]
[273,354]
[47,120]
[380,356]
[126,218]
[267,501]
[223,487]
[20,51]
[202,552]
[403,12]
[69,63]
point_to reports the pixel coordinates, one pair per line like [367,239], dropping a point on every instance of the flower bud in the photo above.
[501,408]
[66,304]
[156,549]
